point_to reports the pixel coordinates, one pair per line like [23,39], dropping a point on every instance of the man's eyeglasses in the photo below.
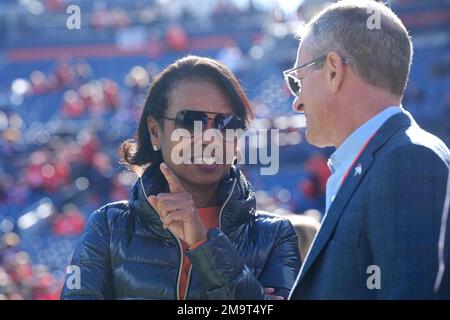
[294,82]
[186,120]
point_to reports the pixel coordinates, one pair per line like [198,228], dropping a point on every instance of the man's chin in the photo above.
[315,141]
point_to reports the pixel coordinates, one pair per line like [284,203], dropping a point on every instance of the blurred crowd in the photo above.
[19,277]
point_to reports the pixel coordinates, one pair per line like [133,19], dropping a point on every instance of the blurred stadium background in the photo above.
[68,98]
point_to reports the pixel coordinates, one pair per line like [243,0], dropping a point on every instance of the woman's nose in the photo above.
[209,124]
[209,132]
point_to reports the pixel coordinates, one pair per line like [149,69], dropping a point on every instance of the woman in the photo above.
[189,230]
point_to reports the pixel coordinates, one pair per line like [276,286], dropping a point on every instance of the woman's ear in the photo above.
[154,130]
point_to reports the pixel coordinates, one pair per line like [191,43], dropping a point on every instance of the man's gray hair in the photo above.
[370,35]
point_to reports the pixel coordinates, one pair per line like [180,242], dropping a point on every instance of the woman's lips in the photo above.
[206,163]
[207,167]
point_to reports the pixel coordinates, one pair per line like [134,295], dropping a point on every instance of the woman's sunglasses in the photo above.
[186,119]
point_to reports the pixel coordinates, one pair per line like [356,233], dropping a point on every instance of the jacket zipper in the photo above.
[180,269]
[225,203]
[187,282]
[220,227]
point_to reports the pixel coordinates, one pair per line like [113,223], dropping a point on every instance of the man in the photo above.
[379,236]
[442,284]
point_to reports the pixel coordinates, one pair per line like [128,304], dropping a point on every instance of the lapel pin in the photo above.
[358,170]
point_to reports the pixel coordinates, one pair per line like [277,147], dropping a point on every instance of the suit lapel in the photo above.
[357,172]
[337,207]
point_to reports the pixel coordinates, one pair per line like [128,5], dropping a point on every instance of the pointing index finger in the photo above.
[174,183]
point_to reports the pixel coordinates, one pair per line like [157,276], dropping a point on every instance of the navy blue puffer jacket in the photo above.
[125,253]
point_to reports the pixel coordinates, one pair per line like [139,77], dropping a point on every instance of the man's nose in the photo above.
[297,105]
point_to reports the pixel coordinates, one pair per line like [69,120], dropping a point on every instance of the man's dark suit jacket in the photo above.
[379,239]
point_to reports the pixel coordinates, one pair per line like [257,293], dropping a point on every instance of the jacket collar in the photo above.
[236,197]
[365,160]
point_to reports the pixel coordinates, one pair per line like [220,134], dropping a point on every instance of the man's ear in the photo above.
[154,130]
[335,71]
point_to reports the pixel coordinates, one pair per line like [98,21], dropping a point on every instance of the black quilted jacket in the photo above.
[125,253]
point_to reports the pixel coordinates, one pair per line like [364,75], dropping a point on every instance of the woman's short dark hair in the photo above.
[138,151]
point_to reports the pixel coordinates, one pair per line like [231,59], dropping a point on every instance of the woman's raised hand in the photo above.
[177,210]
